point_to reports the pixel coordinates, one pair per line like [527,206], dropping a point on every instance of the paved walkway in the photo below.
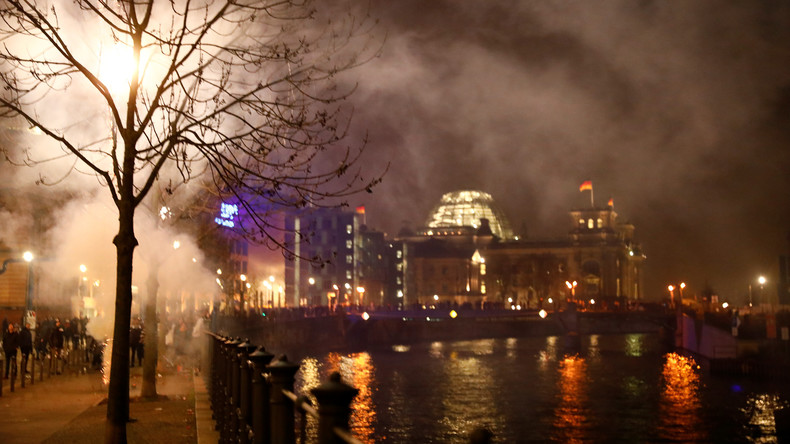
[71,408]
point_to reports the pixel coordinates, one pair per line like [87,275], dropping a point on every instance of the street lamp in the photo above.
[242,287]
[671,289]
[311,290]
[761,280]
[572,287]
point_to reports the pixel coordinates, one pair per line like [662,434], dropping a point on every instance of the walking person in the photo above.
[25,345]
[135,342]
[10,346]
[56,343]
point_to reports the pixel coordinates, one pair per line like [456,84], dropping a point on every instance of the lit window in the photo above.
[399,254]
[349,229]
[349,259]
[349,243]
[398,280]
[590,224]
[600,223]
[348,274]
[483,288]
[581,222]
[482,269]
[399,267]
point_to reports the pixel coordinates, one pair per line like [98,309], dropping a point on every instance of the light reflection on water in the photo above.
[680,399]
[571,413]
[611,388]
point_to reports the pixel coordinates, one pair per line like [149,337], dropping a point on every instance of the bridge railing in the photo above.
[253,400]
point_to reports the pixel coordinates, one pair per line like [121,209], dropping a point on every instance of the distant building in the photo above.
[336,259]
[465,254]
[459,259]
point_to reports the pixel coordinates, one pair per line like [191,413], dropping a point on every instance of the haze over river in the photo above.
[613,388]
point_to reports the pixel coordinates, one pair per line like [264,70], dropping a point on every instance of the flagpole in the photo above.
[592,200]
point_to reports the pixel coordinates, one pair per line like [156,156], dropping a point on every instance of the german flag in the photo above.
[586,185]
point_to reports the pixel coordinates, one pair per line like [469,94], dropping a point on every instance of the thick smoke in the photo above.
[676,110]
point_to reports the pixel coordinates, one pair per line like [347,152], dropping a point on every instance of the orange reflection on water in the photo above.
[357,370]
[680,405]
[571,413]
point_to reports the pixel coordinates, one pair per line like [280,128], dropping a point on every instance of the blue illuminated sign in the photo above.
[227,213]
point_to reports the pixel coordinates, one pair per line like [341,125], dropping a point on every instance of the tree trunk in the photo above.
[151,325]
[118,395]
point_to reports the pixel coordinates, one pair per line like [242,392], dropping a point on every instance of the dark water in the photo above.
[614,388]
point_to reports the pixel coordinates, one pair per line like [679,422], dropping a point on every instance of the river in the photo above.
[612,388]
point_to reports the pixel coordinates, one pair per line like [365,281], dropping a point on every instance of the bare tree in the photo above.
[245,91]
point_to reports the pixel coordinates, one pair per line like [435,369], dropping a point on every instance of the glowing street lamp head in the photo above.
[117,65]
[671,288]
[83,268]
[761,280]
[243,277]
[27,256]
[682,285]
[311,281]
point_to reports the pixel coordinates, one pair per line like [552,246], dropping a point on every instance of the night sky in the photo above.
[679,111]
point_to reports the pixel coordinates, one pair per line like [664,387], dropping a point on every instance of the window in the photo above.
[600,223]
[349,229]
[349,243]
[483,288]
[399,254]
[348,274]
[482,269]
[349,259]
[398,281]
[590,224]
[581,222]
[399,267]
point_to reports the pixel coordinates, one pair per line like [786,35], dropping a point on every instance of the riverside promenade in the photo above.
[71,408]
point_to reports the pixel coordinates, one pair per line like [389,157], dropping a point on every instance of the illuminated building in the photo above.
[462,211]
[337,259]
[460,260]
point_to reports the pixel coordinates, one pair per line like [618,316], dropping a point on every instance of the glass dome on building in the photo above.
[465,209]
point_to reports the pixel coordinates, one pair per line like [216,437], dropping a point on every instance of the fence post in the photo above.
[334,408]
[281,377]
[243,403]
[228,389]
[216,373]
[259,411]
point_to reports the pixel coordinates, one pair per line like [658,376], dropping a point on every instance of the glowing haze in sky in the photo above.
[679,111]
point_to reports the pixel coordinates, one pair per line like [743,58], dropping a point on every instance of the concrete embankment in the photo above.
[298,337]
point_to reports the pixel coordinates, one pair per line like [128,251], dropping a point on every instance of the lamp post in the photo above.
[572,289]
[311,290]
[671,289]
[242,287]
[761,280]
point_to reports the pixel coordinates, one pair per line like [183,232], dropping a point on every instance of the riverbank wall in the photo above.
[301,336]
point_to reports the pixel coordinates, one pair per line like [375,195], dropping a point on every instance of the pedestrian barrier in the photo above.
[42,363]
[253,400]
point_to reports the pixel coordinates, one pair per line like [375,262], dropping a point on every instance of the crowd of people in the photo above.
[52,337]
[69,341]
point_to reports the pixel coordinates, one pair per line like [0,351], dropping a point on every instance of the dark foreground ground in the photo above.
[71,408]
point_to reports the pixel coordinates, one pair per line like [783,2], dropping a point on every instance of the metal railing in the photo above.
[42,362]
[253,401]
